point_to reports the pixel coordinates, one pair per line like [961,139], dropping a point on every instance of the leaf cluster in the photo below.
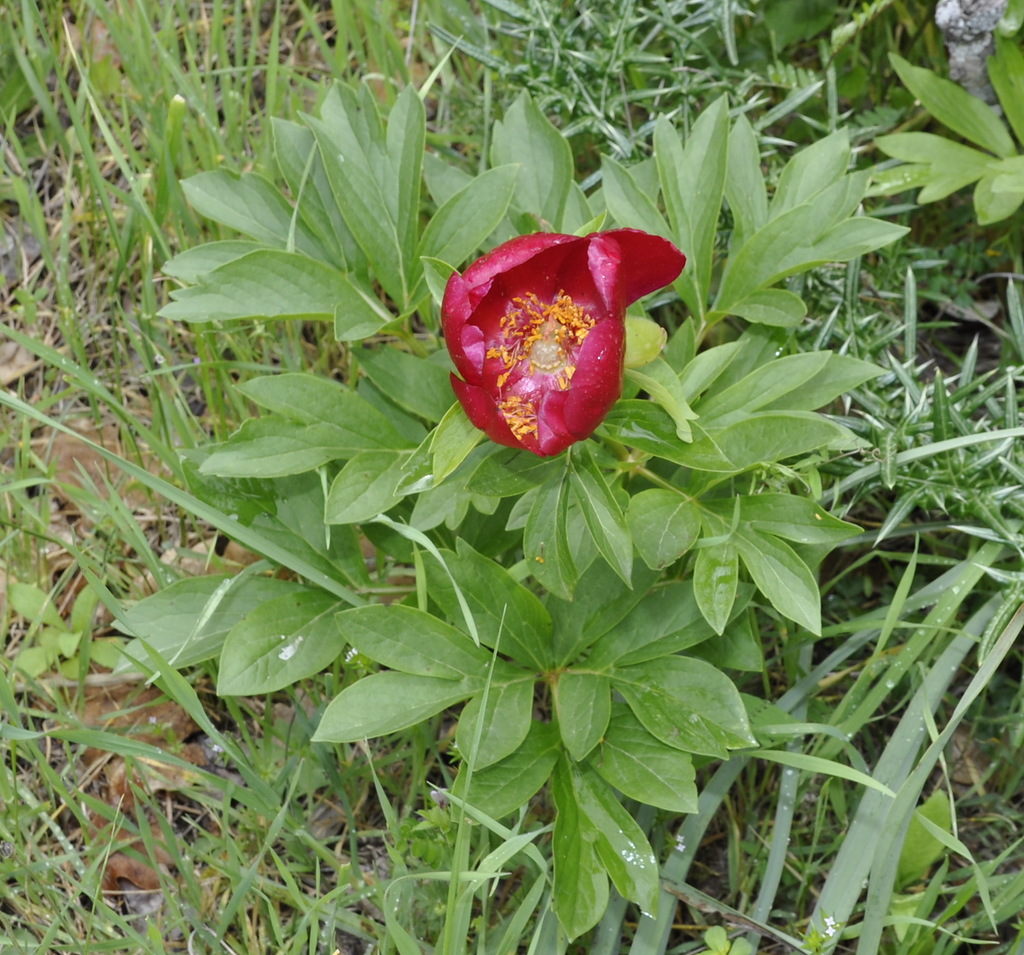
[991,158]
[607,590]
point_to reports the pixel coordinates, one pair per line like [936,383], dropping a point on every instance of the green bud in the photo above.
[644,341]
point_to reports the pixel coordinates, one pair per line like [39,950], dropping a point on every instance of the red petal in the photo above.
[553,437]
[482,411]
[604,262]
[649,262]
[597,383]
[510,255]
[469,356]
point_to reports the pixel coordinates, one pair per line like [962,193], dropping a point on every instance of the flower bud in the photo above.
[644,341]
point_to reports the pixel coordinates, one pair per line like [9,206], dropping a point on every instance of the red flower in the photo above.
[536,330]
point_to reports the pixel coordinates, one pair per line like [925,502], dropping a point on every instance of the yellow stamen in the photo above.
[543,335]
[520,415]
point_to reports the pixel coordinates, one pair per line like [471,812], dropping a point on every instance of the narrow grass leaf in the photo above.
[825,767]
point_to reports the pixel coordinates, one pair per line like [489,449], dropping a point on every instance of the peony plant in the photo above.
[582,608]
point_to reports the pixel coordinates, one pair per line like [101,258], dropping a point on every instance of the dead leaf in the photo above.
[16,361]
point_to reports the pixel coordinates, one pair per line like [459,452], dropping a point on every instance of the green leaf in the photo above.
[1006,71]
[781,576]
[621,844]
[763,437]
[508,616]
[509,473]
[436,274]
[502,788]
[267,283]
[599,603]
[995,205]
[887,182]
[352,147]
[920,848]
[664,525]
[642,767]
[34,604]
[188,621]
[365,487]
[811,171]
[839,375]
[715,580]
[602,514]
[659,380]
[275,447]
[765,385]
[744,183]
[358,314]
[387,702]
[250,204]
[506,721]
[418,385]
[949,166]
[693,184]
[794,518]
[404,142]
[583,706]
[303,171]
[412,641]
[666,620]
[443,178]
[628,203]
[280,642]
[452,441]
[771,306]
[686,703]
[1007,174]
[546,538]
[311,398]
[701,372]
[643,425]
[464,221]
[527,138]
[739,647]
[580,891]
[955,108]
[194,265]
[795,241]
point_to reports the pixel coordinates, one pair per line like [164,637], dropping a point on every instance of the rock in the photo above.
[967,26]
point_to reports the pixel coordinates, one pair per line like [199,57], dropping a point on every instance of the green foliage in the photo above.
[699,524]
[941,166]
[559,613]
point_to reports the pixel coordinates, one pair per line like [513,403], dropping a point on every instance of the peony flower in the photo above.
[536,329]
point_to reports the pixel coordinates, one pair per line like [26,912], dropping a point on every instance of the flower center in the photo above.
[539,337]
[546,355]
